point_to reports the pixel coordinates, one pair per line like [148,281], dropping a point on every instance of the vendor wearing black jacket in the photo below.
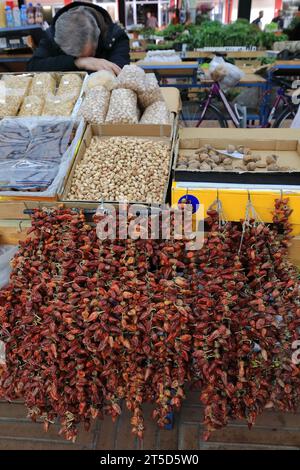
[81,37]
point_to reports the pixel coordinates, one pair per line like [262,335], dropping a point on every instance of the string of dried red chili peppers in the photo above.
[89,324]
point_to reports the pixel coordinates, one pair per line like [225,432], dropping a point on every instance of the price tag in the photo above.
[236,154]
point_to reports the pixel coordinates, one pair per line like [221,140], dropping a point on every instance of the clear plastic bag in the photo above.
[58,105]
[152,93]
[21,82]
[133,78]
[31,150]
[70,84]
[123,107]
[95,105]
[226,74]
[102,78]
[157,113]
[10,101]
[32,106]
[43,84]
[7,252]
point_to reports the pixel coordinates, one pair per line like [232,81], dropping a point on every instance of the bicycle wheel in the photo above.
[285,119]
[192,111]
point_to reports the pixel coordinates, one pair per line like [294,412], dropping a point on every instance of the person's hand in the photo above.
[94,65]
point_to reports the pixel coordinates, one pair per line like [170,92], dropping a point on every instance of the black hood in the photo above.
[103,12]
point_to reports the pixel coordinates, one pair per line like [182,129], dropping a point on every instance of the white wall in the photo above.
[268,6]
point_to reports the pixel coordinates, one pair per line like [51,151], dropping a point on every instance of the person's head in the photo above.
[149,14]
[280,12]
[261,14]
[77,32]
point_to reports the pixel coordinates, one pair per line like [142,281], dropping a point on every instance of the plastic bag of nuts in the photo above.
[95,105]
[70,84]
[58,105]
[157,113]
[123,107]
[102,78]
[133,78]
[152,93]
[18,82]
[32,106]
[42,84]
[10,102]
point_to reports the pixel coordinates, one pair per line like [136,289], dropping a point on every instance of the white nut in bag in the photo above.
[42,84]
[133,78]
[157,113]
[58,105]
[123,107]
[95,105]
[70,84]
[21,82]
[152,92]
[10,101]
[32,106]
[102,78]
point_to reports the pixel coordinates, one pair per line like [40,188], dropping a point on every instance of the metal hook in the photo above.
[20,226]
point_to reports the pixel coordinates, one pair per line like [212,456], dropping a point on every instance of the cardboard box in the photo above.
[283,142]
[155,133]
[173,100]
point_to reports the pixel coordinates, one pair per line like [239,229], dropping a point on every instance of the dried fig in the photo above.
[205,166]
[261,164]
[271,159]
[227,162]
[230,148]
[215,158]
[251,166]
[273,167]
[203,157]
[247,159]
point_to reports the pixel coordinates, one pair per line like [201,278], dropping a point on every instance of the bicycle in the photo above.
[197,112]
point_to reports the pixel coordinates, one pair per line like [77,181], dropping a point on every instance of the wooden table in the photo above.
[182,70]
[197,55]
[14,62]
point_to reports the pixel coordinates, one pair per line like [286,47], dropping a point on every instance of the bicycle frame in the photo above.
[216,91]
[280,97]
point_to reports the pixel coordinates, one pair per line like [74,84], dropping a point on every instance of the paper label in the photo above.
[236,154]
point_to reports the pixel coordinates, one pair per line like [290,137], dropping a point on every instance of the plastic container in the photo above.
[30,13]
[23,15]
[39,15]
[9,17]
[17,16]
